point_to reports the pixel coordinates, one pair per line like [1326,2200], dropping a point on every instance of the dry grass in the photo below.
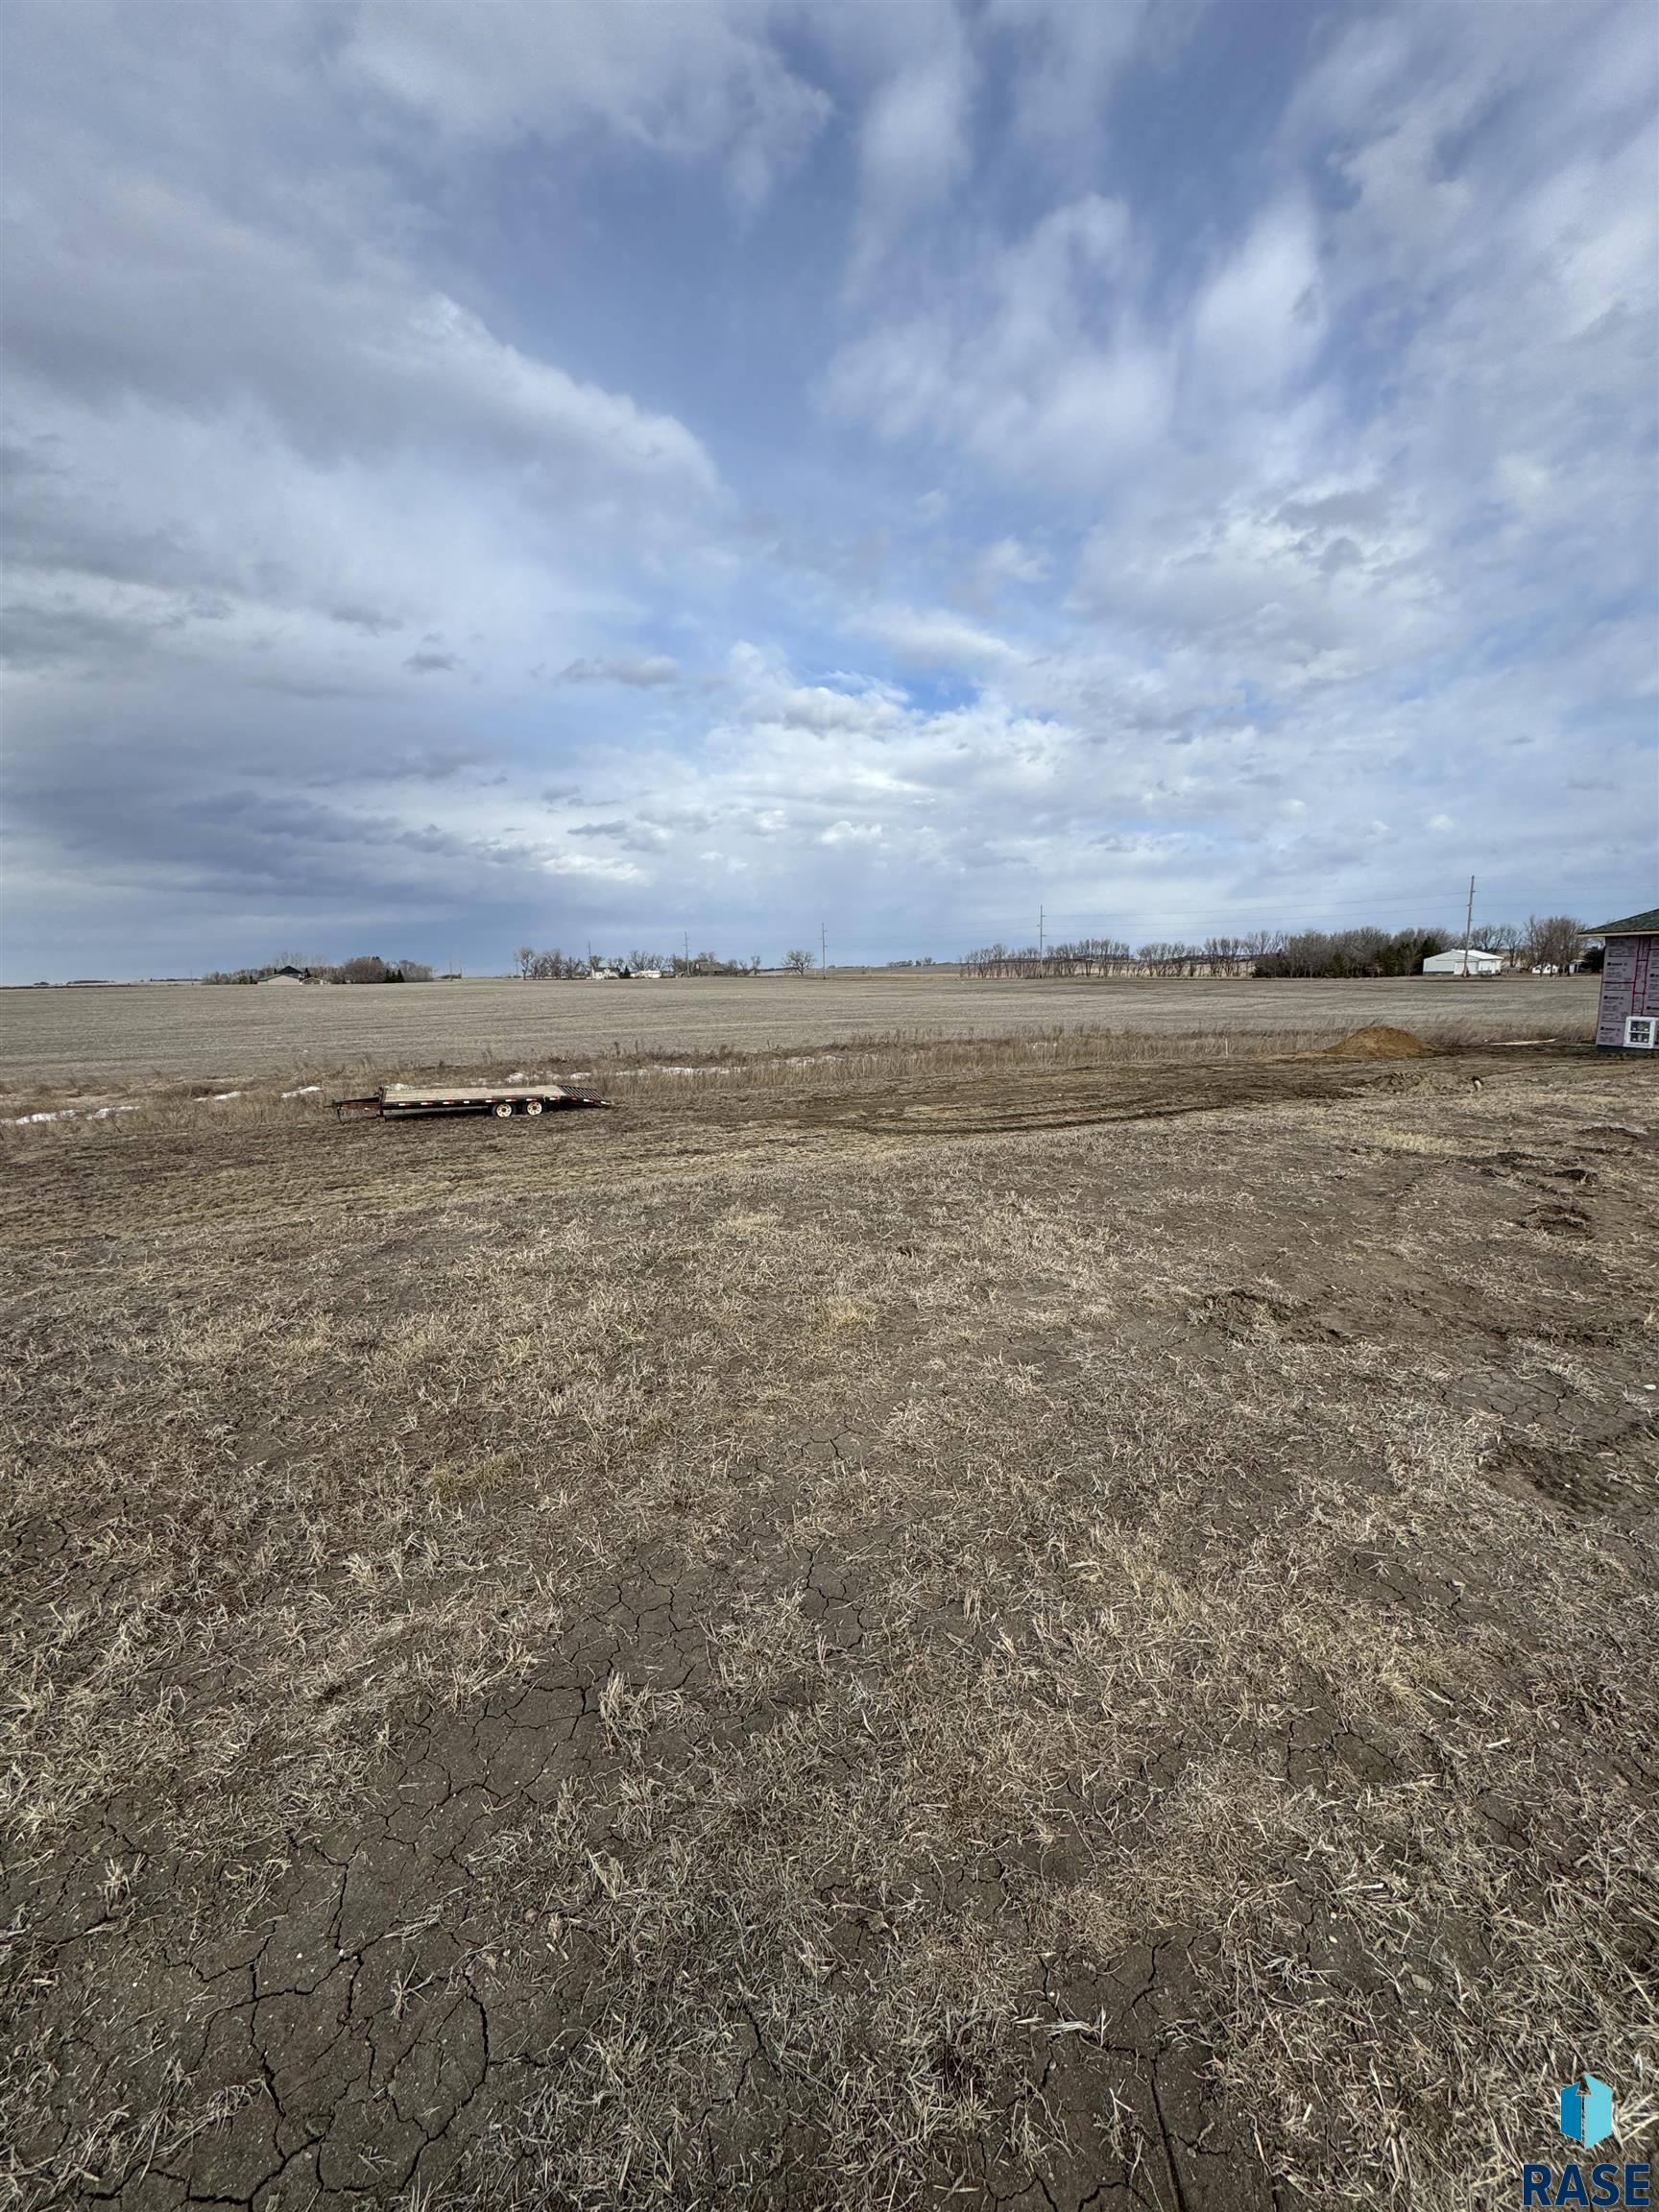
[64,1041]
[1034,1727]
[1123,1659]
[899,1062]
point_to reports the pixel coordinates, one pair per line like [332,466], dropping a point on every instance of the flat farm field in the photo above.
[1033,1622]
[89,1038]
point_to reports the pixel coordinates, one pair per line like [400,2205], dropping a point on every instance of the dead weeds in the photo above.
[972,1668]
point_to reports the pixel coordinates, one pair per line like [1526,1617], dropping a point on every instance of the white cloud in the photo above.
[1280,516]
[686,83]
[935,638]
[1065,60]
[1290,596]
[281,465]
[914,145]
[1008,561]
[1257,321]
[1039,365]
[770,697]
[136,291]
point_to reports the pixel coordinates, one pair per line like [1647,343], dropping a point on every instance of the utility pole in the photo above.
[1468,924]
[823,963]
[1041,954]
[686,939]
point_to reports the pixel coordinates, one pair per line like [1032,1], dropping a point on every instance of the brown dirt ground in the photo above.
[1379,1041]
[1033,1637]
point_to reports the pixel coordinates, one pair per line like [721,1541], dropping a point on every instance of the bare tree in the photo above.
[1504,937]
[1554,940]
[799,962]
[1226,955]
[525,959]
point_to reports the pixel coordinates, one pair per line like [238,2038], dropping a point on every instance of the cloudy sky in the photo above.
[546,472]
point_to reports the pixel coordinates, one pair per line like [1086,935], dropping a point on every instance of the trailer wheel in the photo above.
[501,1109]
[532,1105]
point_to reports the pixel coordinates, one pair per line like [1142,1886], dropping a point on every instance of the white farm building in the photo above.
[1463,960]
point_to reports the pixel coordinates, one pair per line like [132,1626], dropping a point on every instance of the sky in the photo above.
[620,474]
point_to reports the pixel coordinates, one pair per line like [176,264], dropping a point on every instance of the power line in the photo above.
[1124,915]
[1274,905]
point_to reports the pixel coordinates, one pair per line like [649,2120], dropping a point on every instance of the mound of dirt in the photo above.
[1379,1043]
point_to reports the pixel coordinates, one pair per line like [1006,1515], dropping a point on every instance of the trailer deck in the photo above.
[397,1101]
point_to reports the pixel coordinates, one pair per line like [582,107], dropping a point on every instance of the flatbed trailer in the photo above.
[397,1101]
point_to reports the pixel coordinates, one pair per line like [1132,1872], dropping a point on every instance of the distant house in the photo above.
[285,975]
[1629,1020]
[1464,960]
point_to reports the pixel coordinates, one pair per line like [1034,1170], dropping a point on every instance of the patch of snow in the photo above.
[519,1077]
[219,1096]
[64,1114]
[100,1113]
[305,1091]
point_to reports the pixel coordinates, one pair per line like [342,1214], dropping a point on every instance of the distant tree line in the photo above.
[1353,953]
[1088,956]
[1549,942]
[551,967]
[712,964]
[369,968]
[364,967]
[557,967]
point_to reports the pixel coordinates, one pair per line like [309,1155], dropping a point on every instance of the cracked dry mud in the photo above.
[1043,1651]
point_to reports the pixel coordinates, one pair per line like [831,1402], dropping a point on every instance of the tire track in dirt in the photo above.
[155,1179]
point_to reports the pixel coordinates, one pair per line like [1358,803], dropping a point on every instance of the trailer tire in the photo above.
[501,1109]
[532,1105]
